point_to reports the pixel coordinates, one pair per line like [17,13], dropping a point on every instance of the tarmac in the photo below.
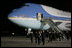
[21,41]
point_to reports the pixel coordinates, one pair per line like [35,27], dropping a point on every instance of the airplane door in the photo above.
[39,16]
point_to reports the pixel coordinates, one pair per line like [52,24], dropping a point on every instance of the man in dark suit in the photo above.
[37,37]
[31,37]
[50,36]
[43,35]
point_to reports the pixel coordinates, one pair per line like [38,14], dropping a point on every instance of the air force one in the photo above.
[30,16]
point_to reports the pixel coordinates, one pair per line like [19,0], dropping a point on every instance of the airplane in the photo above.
[29,16]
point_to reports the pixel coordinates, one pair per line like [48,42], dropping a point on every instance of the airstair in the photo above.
[49,21]
[53,26]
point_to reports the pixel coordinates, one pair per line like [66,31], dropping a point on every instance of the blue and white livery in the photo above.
[26,16]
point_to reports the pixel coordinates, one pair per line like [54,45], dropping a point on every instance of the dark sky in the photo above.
[8,6]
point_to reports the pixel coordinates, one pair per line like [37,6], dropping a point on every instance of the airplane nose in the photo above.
[12,15]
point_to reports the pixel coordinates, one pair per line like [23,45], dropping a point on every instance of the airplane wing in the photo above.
[56,12]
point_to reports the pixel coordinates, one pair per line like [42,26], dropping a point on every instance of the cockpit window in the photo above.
[26,5]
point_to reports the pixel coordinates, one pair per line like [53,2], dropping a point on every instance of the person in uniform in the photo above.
[13,34]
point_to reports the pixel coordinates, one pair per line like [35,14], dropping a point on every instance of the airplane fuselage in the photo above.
[27,17]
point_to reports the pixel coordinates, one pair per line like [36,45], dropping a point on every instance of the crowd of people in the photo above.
[40,36]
